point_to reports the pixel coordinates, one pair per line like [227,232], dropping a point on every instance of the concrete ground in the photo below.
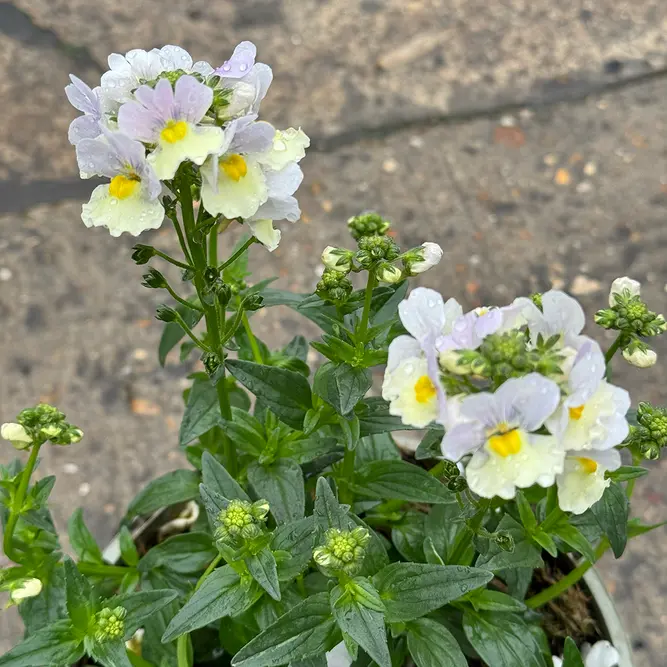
[528,139]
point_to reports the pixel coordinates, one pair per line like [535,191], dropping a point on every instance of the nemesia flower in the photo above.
[28,588]
[412,378]
[16,434]
[129,203]
[430,253]
[601,654]
[622,284]
[168,117]
[640,358]
[561,315]
[389,274]
[498,429]
[83,98]
[592,416]
[582,482]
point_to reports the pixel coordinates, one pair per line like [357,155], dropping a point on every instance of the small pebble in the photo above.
[84,489]
[390,165]
[550,159]
[416,142]
[590,169]
[583,285]
[70,468]
[5,274]
[562,177]
[140,354]
[109,508]
[475,260]
[508,121]
[327,206]
[584,187]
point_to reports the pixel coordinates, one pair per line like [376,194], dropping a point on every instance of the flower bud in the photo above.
[166,314]
[423,258]
[241,520]
[640,358]
[334,286]
[624,287]
[504,540]
[367,224]
[27,588]
[109,624]
[450,361]
[388,273]
[374,249]
[253,302]
[154,280]
[337,259]
[343,550]
[142,253]
[17,435]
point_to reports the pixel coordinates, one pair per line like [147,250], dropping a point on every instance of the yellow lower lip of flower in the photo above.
[575,413]
[588,465]
[122,187]
[424,389]
[174,131]
[234,166]
[506,444]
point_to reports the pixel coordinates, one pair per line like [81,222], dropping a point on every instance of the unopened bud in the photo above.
[17,435]
[253,302]
[623,287]
[343,550]
[334,286]
[367,224]
[504,540]
[388,273]
[166,314]
[28,588]
[374,249]
[154,279]
[337,259]
[640,358]
[142,253]
[241,520]
[422,259]
[110,624]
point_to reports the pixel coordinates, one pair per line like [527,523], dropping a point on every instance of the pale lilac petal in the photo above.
[488,323]
[562,313]
[254,137]
[401,348]
[285,182]
[83,127]
[601,654]
[423,314]
[482,408]
[82,97]
[609,459]
[527,401]
[240,63]
[95,156]
[163,103]
[462,439]
[175,58]
[139,122]
[586,374]
[127,150]
[274,208]
[264,77]
[192,99]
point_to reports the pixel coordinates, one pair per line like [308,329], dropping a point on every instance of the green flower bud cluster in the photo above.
[375,249]
[110,624]
[334,286]
[650,435]
[39,424]
[504,540]
[216,287]
[367,224]
[343,551]
[241,520]
[451,477]
[631,315]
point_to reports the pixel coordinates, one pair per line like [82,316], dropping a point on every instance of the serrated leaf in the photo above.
[412,590]
[574,538]
[141,606]
[174,487]
[374,417]
[432,645]
[341,385]
[186,554]
[281,483]
[54,645]
[297,538]
[328,512]
[429,447]
[49,606]
[82,539]
[304,631]
[401,480]
[408,536]
[262,566]
[110,654]
[245,431]
[213,503]
[222,594]
[309,449]
[611,514]
[284,392]
[79,596]
[525,553]
[443,525]
[379,447]
[216,477]
[128,549]
[202,411]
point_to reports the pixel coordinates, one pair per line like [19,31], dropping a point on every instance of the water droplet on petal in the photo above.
[431,303]
[243,67]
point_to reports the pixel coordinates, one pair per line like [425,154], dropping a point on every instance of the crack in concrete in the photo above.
[19,25]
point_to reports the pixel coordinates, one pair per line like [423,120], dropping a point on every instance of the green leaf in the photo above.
[216,477]
[245,431]
[175,487]
[186,554]
[110,654]
[53,645]
[495,601]
[432,556]
[297,347]
[82,539]
[400,480]
[429,447]
[611,514]
[380,447]
[432,645]
[443,525]
[281,483]
[574,538]
[546,542]
[571,655]
[502,639]
[284,392]
[366,626]
[79,596]
[341,385]
[525,553]
[223,593]
[328,512]
[202,411]
[40,492]
[305,631]
[374,417]
[408,536]
[309,449]
[49,606]
[213,503]
[262,566]
[128,549]
[412,590]
[635,527]
[173,333]
[297,538]
[525,512]
[626,473]
[141,606]
[384,306]
[376,554]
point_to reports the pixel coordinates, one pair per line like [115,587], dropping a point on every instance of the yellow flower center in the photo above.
[575,413]
[424,389]
[587,465]
[122,187]
[506,443]
[174,131]
[235,167]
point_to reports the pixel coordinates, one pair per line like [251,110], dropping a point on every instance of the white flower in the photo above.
[561,315]
[582,482]
[337,259]
[622,284]
[601,654]
[338,656]
[640,358]
[430,253]
[29,588]
[498,429]
[16,434]
[288,146]
[389,274]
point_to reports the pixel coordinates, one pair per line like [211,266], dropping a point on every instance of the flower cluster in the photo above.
[38,425]
[241,520]
[157,112]
[521,392]
[110,624]
[343,550]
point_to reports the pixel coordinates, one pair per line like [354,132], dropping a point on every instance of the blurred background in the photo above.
[526,138]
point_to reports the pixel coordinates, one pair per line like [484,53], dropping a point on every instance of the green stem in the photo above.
[256,352]
[182,301]
[191,334]
[17,505]
[238,253]
[629,489]
[612,351]
[346,492]
[182,644]
[102,570]
[213,246]
[181,238]
[552,519]
[566,582]
[363,325]
[472,528]
[170,259]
